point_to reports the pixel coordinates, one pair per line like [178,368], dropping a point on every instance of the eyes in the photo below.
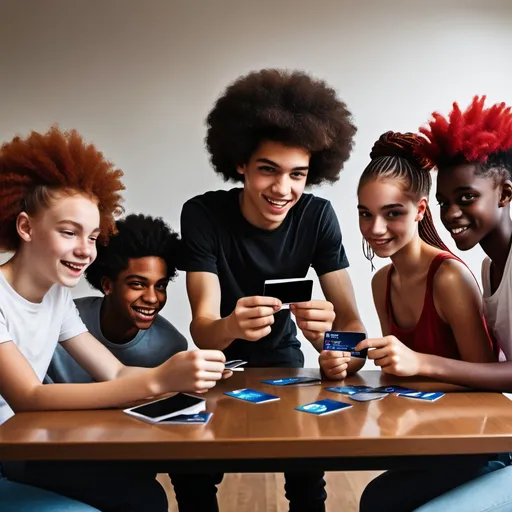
[297,175]
[68,233]
[463,200]
[139,285]
[391,215]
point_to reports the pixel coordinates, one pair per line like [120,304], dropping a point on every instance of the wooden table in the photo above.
[393,432]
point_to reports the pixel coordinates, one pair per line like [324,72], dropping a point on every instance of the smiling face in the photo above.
[388,217]
[138,293]
[471,205]
[61,238]
[274,180]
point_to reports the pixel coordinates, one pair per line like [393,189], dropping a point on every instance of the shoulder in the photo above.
[212,200]
[163,327]
[453,276]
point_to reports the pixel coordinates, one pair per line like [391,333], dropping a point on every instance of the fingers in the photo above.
[313,305]
[372,343]
[226,374]
[329,364]
[259,300]
[209,355]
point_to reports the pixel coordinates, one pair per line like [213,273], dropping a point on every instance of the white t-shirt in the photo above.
[498,306]
[35,328]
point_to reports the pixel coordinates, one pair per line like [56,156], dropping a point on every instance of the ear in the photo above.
[421,209]
[24,227]
[107,285]
[505,193]
[240,169]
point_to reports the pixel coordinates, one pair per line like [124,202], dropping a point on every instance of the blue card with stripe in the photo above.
[428,396]
[252,395]
[349,390]
[345,341]
[321,407]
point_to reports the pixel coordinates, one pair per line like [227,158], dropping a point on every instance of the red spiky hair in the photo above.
[469,136]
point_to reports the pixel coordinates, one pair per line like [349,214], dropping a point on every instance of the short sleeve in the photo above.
[329,252]
[72,324]
[199,244]
[5,335]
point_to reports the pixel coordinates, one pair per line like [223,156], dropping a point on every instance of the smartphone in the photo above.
[164,408]
[289,291]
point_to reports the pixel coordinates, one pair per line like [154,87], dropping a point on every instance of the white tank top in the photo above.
[498,306]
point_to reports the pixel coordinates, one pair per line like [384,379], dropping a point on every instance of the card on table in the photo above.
[345,341]
[393,389]
[201,418]
[321,407]
[349,390]
[252,395]
[429,396]
[290,381]
[367,397]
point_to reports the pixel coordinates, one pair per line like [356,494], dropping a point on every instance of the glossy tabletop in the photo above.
[461,422]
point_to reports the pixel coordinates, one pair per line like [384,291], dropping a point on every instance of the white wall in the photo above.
[138,77]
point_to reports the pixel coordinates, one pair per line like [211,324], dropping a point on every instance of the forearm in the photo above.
[348,325]
[492,376]
[98,395]
[209,333]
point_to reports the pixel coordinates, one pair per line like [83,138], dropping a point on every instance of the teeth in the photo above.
[72,266]
[280,204]
[147,312]
[456,231]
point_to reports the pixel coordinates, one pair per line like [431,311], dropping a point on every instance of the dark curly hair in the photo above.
[288,107]
[482,136]
[138,236]
[396,156]
[35,169]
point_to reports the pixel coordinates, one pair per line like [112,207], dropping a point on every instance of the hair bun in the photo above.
[402,145]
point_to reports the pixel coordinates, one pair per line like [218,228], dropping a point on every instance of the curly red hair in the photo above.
[471,136]
[34,168]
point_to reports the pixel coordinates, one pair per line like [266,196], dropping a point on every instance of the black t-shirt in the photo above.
[218,239]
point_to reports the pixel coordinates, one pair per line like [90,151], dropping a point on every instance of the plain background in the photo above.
[138,77]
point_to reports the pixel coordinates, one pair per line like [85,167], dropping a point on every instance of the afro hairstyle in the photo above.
[138,236]
[287,107]
[33,169]
[479,135]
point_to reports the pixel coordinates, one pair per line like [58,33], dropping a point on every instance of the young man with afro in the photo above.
[275,132]
[132,272]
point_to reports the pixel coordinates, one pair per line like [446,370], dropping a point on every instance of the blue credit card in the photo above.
[393,389]
[201,418]
[429,396]
[290,381]
[345,341]
[252,395]
[349,390]
[321,407]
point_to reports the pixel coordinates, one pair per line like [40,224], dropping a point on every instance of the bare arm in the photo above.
[251,319]
[379,284]
[459,302]
[338,290]
[186,371]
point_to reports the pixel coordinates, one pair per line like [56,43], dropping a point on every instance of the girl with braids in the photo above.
[427,300]
[58,195]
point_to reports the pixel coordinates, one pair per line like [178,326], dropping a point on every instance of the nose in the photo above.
[282,185]
[85,248]
[453,212]
[378,227]
[150,296]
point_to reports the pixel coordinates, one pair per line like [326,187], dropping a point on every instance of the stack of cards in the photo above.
[321,407]
[251,395]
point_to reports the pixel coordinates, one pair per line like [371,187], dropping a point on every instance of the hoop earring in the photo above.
[368,252]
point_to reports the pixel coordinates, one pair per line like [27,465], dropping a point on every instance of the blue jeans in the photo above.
[488,493]
[16,497]
[406,490]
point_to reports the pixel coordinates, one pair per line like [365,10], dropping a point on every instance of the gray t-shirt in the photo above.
[149,348]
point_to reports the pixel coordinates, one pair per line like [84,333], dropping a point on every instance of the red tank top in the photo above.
[431,335]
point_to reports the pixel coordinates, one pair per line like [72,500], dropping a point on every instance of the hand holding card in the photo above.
[334,364]
[313,319]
